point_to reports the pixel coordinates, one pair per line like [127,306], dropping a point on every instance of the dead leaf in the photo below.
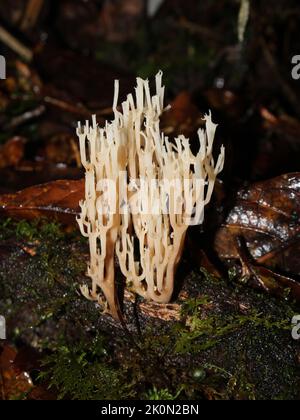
[28,174]
[56,200]
[267,216]
[264,278]
[16,367]
[14,383]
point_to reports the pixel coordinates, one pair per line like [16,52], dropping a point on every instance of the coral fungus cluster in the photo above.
[142,191]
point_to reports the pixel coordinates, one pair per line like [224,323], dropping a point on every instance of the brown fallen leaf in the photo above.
[14,383]
[16,366]
[29,173]
[25,118]
[267,216]
[56,200]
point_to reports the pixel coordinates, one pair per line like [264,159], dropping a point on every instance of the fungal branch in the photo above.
[102,155]
[142,193]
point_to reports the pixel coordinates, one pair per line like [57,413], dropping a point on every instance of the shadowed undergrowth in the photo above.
[229,342]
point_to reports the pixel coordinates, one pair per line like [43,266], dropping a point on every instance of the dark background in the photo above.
[79,47]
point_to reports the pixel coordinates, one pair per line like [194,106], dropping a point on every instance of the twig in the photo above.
[66,106]
[105,112]
[77,110]
[243,19]
[31,15]
[201,30]
[27,116]
[14,44]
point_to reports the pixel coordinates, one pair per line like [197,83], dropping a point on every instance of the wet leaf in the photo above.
[264,278]
[267,216]
[58,200]
[28,174]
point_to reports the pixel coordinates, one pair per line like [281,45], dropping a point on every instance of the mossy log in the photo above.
[218,339]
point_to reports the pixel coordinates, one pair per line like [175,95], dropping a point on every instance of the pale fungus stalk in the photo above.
[142,193]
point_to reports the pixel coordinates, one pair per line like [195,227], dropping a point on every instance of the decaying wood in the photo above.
[164,312]
[16,45]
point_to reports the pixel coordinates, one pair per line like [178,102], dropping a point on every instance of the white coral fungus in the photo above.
[142,191]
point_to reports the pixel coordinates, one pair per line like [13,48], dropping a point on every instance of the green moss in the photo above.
[85,374]
[231,342]
[30,231]
[40,278]
[155,394]
[202,333]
